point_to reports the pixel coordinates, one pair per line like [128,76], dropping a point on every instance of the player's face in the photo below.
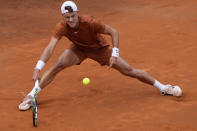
[71,19]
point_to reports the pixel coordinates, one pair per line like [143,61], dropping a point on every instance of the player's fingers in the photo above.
[35,78]
[111,63]
[39,78]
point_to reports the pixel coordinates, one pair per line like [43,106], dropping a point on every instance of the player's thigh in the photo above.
[68,58]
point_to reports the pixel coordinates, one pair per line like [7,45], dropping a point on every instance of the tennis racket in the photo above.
[34,108]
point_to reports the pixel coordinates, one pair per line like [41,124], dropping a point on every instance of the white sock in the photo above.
[33,90]
[158,85]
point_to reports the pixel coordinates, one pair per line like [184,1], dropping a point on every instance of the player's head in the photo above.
[70,13]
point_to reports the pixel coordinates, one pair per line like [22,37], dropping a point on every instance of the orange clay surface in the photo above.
[159,36]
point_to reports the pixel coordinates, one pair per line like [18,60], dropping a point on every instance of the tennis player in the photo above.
[87,42]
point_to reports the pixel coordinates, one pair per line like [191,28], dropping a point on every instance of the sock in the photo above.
[33,90]
[158,85]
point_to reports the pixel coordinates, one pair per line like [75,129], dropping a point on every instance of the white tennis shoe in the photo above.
[172,90]
[26,103]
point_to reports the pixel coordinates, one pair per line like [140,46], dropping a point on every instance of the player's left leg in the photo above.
[123,67]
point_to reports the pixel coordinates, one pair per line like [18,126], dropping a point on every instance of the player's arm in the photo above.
[114,35]
[47,53]
[115,42]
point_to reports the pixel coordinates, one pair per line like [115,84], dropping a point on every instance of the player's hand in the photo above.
[113,60]
[36,75]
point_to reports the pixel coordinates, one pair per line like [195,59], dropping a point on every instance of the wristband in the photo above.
[115,52]
[40,64]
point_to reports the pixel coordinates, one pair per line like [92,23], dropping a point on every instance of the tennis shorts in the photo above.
[101,55]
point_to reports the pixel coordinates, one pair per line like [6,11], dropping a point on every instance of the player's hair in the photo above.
[69,8]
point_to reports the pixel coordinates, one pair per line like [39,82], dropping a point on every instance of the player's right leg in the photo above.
[67,59]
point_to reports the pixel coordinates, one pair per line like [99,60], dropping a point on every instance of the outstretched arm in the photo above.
[114,35]
[115,42]
[47,53]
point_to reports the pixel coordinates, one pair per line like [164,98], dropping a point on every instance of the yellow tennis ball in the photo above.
[86,81]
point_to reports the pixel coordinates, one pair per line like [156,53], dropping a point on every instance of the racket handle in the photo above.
[36,83]
[36,86]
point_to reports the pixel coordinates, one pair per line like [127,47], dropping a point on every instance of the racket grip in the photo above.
[36,83]
[36,87]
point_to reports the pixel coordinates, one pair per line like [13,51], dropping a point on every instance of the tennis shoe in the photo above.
[26,103]
[171,90]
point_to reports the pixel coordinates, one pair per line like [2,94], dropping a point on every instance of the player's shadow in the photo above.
[46,102]
[73,97]
[94,95]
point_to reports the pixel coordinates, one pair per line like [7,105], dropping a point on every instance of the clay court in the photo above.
[159,36]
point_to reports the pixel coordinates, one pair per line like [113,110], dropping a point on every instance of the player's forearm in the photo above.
[115,38]
[47,53]
[114,35]
[115,42]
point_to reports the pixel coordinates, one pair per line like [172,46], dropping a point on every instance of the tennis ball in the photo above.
[86,81]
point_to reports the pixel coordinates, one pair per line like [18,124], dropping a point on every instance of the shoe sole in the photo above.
[24,107]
